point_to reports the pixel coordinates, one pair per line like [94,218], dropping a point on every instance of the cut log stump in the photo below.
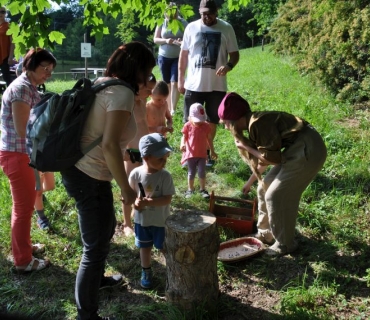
[191,246]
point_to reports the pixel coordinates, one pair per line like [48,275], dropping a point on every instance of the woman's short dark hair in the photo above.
[35,57]
[131,62]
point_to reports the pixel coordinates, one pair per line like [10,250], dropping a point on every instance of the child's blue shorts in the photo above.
[146,237]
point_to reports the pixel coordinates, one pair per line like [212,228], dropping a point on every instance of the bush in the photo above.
[329,39]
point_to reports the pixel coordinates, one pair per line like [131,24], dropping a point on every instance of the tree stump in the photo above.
[191,247]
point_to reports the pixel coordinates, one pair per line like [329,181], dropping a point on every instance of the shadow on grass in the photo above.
[36,295]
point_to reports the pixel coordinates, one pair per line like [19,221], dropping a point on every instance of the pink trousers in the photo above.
[22,186]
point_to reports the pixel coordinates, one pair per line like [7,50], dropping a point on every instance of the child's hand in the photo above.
[182,148]
[162,130]
[214,155]
[140,203]
[169,129]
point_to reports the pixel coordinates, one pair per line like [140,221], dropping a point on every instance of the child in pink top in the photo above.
[195,141]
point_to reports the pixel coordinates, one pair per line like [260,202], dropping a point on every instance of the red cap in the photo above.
[233,107]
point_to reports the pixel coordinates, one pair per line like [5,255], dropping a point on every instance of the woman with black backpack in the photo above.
[89,181]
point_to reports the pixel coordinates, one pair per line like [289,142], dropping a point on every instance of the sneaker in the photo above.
[278,249]
[266,238]
[111,281]
[204,194]
[188,194]
[146,278]
[210,162]
[43,224]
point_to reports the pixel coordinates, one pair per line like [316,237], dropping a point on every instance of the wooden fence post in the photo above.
[191,247]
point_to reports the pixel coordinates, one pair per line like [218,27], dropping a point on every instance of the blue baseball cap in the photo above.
[154,144]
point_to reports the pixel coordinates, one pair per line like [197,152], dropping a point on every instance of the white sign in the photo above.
[85,50]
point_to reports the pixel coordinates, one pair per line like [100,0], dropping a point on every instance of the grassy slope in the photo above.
[333,220]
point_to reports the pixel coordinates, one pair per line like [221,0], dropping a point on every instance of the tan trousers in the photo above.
[278,198]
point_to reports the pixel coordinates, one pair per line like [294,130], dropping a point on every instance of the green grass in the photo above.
[327,279]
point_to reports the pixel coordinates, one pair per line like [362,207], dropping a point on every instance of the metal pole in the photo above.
[85,40]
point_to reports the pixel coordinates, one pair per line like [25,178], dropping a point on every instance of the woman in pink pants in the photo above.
[17,101]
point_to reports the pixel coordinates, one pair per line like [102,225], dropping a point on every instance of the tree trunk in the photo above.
[191,247]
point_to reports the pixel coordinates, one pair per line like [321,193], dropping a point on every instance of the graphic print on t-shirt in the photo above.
[211,43]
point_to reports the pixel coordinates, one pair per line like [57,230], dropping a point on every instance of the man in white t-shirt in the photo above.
[209,51]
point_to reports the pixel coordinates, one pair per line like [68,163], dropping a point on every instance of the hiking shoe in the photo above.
[111,281]
[266,238]
[188,194]
[146,278]
[43,224]
[278,249]
[204,193]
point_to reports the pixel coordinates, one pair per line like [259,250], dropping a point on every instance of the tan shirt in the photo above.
[110,99]
[272,131]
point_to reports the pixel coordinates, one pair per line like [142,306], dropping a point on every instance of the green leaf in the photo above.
[56,36]
[42,5]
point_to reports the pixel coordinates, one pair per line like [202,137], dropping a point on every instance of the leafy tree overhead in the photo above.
[36,28]
[243,22]
[265,12]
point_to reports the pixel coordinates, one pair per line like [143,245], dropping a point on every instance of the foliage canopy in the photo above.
[34,26]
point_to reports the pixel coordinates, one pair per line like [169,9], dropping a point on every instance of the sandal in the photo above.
[43,224]
[42,264]
[38,248]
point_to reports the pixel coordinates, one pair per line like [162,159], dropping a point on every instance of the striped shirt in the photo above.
[22,90]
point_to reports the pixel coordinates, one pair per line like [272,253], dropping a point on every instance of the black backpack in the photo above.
[56,123]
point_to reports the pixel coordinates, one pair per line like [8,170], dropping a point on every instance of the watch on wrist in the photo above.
[230,65]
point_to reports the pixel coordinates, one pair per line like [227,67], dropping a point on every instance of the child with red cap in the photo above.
[294,149]
[196,139]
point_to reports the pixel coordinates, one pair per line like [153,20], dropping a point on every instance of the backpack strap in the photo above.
[112,82]
[37,178]
[92,145]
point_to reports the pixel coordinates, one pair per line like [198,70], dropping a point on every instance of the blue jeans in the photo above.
[97,222]
[169,69]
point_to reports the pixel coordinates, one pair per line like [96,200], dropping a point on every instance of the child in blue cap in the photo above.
[155,188]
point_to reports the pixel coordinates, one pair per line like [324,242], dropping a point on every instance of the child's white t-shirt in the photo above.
[155,185]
